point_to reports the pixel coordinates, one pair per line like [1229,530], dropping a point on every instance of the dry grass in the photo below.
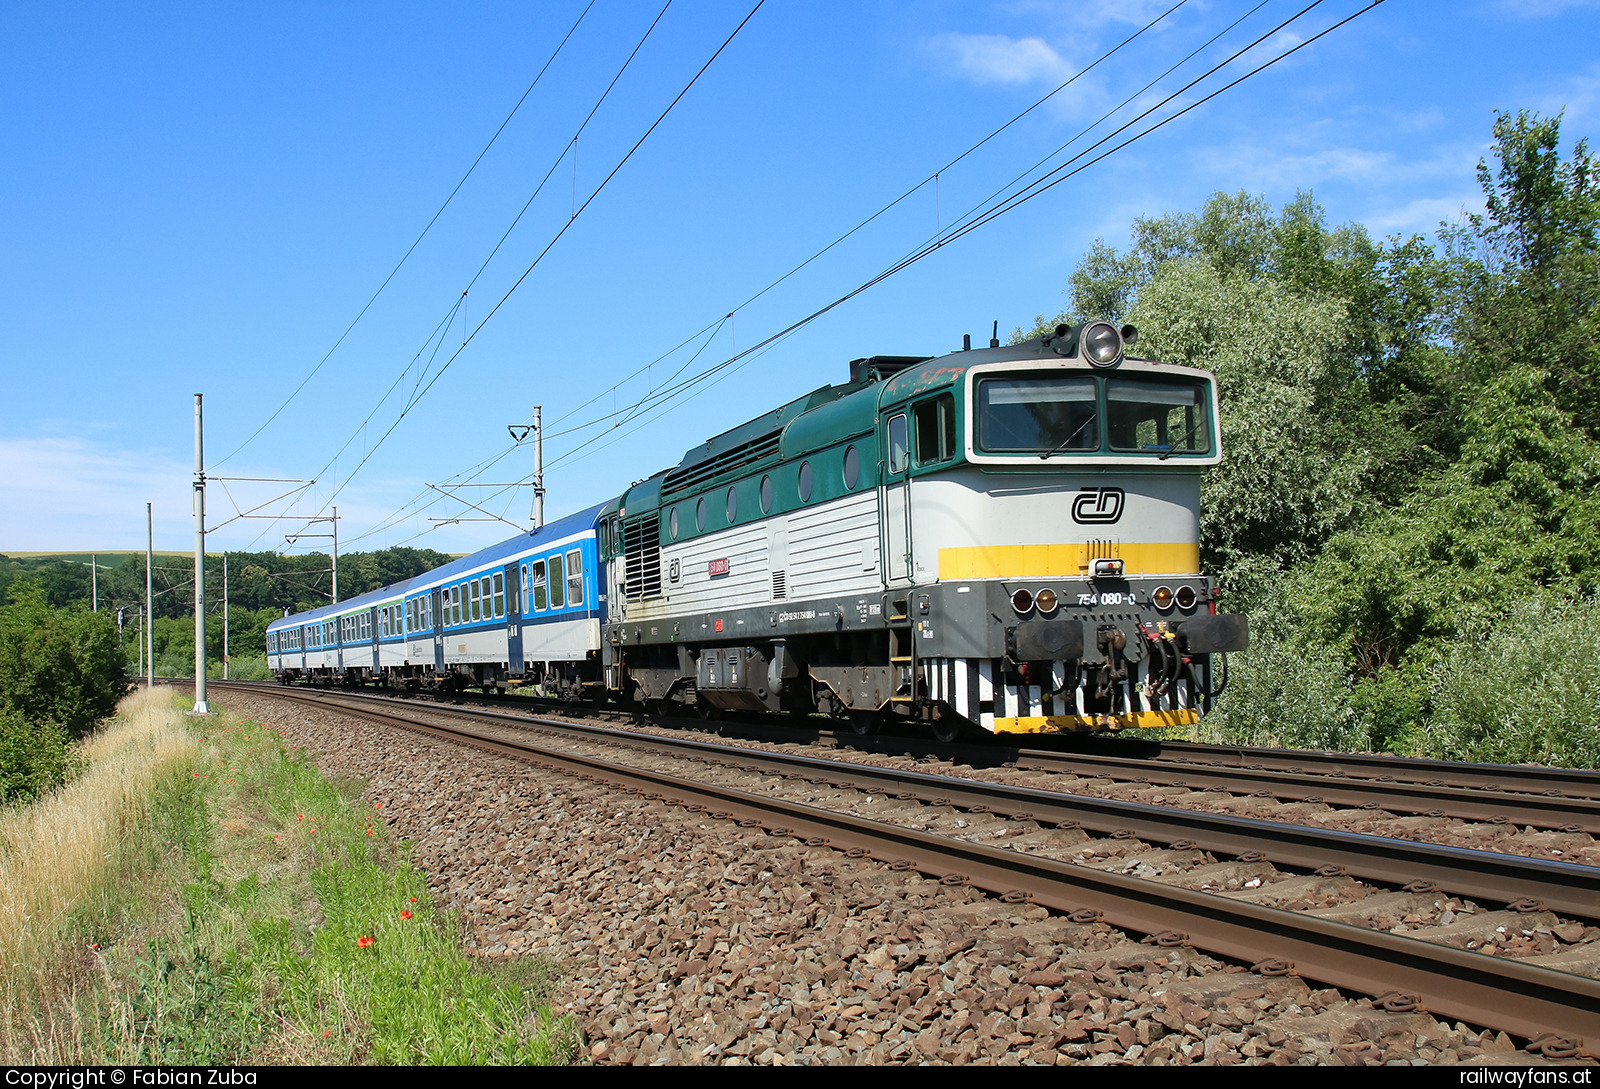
[58,855]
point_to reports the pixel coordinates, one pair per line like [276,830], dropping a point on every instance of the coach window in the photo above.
[766,495]
[700,515]
[575,578]
[805,482]
[936,430]
[733,505]
[499,594]
[455,604]
[852,468]
[897,444]
[540,602]
[556,579]
[472,597]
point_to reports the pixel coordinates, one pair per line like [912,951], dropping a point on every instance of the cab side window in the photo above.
[936,430]
[898,444]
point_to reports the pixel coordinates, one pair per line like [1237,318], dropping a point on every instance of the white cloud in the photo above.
[1424,215]
[995,58]
[1577,95]
[67,493]
[1257,166]
[1093,13]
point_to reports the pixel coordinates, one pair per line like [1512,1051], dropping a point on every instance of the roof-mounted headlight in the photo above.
[1101,344]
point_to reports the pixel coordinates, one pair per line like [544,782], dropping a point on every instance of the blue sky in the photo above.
[201,198]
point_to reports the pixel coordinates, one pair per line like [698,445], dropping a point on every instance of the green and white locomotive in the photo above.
[1001,540]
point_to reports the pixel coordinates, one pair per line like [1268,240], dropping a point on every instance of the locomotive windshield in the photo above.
[1033,415]
[1166,417]
[1050,415]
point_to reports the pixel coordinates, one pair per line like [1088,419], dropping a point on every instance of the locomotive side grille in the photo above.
[742,457]
[642,560]
[780,586]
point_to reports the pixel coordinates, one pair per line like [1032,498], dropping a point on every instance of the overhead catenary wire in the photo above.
[388,521]
[458,308]
[976,220]
[417,241]
[984,215]
[549,246]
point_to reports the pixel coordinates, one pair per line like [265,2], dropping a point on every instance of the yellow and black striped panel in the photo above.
[976,689]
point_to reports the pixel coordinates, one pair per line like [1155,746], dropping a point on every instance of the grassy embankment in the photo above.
[199,894]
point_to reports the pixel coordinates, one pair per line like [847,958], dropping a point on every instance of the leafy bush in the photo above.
[59,666]
[32,758]
[1524,691]
[1278,694]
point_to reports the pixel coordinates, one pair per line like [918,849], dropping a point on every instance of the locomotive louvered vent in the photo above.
[741,457]
[642,544]
[780,585]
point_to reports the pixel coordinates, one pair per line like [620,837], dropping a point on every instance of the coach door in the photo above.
[895,510]
[514,619]
[372,632]
[438,630]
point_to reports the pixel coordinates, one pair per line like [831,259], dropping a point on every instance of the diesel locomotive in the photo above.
[1000,540]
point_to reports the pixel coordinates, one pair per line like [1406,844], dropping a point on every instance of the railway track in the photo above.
[1527,999]
[1555,799]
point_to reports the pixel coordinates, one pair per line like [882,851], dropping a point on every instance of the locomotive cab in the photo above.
[1004,539]
[1052,565]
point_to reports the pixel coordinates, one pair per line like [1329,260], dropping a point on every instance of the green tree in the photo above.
[59,666]
[1531,300]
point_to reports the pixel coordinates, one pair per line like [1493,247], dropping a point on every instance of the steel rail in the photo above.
[1522,999]
[1529,795]
[1526,778]
[1538,810]
[1562,887]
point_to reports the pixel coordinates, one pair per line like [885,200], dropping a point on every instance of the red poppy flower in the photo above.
[363,941]
[413,899]
[405,915]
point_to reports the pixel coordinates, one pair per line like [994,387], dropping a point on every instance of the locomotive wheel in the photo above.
[948,729]
[863,723]
[706,711]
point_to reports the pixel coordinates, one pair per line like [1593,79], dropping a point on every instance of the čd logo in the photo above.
[1097,506]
